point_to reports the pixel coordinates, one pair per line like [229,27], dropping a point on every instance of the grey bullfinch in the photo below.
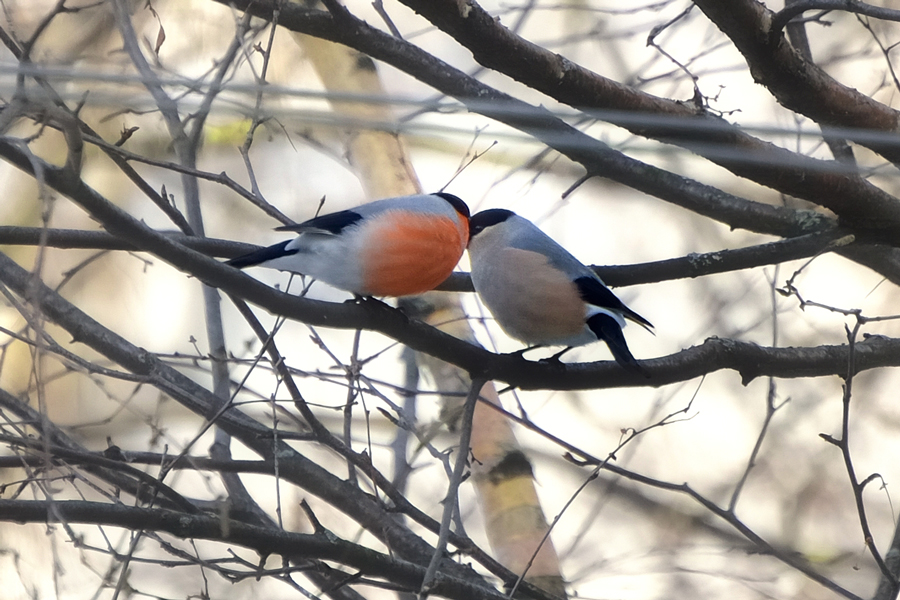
[539,293]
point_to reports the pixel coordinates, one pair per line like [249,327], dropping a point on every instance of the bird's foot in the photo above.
[521,353]
[555,359]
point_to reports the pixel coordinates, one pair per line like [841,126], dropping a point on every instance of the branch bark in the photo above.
[799,85]
[826,183]
[324,546]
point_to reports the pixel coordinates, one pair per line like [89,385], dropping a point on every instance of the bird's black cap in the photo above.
[480,221]
[456,202]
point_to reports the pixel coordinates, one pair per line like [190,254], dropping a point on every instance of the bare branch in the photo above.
[265,541]
[799,85]
[795,9]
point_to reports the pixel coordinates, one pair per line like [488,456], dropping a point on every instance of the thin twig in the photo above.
[450,500]
[631,435]
[844,445]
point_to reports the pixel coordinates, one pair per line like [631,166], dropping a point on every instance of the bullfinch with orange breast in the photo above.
[391,247]
[539,293]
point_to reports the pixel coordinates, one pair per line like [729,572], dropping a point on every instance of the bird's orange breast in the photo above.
[412,253]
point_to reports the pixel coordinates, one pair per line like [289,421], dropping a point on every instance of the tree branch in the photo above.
[795,9]
[825,183]
[595,156]
[692,265]
[293,467]
[799,85]
[293,546]
[598,158]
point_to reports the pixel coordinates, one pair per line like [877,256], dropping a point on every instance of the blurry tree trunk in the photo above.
[516,526]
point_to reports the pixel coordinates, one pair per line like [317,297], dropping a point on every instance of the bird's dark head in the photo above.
[456,202]
[486,218]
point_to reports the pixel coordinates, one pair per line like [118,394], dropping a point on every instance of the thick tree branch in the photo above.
[825,183]
[799,85]
[749,359]
[796,33]
[795,9]
[596,157]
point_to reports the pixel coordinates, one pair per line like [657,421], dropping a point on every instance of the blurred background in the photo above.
[615,538]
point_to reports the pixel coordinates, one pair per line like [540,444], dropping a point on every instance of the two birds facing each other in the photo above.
[537,291]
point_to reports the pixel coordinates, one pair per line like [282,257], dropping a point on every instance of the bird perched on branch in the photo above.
[539,293]
[391,247]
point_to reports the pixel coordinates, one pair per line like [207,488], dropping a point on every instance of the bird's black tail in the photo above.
[260,256]
[607,329]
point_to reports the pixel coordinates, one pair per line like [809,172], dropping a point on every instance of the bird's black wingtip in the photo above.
[607,329]
[260,256]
